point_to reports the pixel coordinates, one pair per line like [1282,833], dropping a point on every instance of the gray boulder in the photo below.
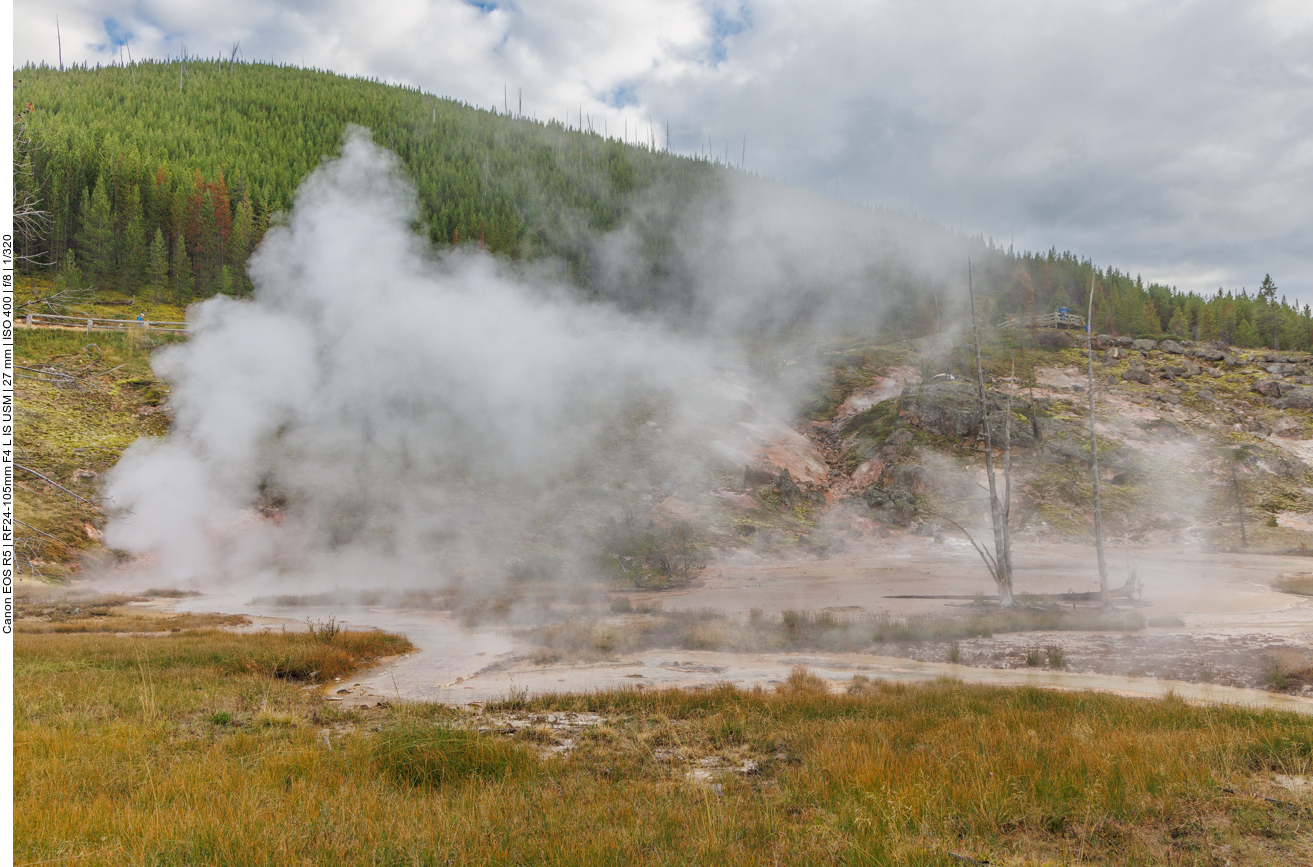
[892,504]
[1296,398]
[1144,345]
[1137,374]
[1281,368]
[1172,346]
[1267,387]
[790,494]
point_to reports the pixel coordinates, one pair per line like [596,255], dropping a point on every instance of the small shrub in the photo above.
[954,652]
[325,630]
[1032,657]
[802,682]
[1275,679]
[221,718]
[1055,657]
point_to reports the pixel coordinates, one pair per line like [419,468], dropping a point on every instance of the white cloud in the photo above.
[1172,136]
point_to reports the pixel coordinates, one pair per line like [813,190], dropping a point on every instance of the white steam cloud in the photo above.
[381,412]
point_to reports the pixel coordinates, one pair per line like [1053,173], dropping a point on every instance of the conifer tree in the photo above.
[1179,325]
[183,279]
[239,244]
[158,272]
[96,239]
[133,258]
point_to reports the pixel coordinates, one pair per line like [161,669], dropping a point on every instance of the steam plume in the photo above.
[386,404]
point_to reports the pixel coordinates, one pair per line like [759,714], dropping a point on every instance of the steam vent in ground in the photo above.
[623,503]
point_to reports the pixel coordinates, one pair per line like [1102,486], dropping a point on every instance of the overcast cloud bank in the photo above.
[1173,140]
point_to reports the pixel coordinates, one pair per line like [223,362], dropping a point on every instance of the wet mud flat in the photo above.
[1217,631]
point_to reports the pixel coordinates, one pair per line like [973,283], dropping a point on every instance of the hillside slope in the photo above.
[161,178]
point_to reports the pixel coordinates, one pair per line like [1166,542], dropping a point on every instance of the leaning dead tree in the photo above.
[31,220]
[1000,563]
[1094,457]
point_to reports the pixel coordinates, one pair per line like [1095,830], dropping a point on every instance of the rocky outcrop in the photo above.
[1172,346]
[952,409]
[791,495]
[891,504]
[1144,345]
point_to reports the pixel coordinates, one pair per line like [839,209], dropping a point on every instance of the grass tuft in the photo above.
[436,756]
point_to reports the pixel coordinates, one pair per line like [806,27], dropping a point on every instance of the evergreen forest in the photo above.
[159,178]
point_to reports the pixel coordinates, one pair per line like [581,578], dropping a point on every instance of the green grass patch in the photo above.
[434,756]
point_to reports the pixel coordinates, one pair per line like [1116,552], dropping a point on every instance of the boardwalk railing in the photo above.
[1048,320]
[93,324]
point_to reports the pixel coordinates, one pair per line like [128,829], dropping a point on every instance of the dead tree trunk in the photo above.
[1240,506]
[1002,561]
[1094,456]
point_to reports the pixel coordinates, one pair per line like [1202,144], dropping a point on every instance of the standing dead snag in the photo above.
[1094,457]
[1000,565]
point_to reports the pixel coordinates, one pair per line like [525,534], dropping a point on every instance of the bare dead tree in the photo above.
[1239,504]
[1002,560]
[31,221]
[1094,455]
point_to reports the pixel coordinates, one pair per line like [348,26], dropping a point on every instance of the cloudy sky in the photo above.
[1170,138]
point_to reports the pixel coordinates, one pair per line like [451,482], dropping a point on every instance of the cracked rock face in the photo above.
[953,410]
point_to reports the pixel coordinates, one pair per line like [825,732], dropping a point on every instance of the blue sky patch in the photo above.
[624,95]
[117,33]
[723,27]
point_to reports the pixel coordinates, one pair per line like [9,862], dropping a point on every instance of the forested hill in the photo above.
[162,177]
[203,156]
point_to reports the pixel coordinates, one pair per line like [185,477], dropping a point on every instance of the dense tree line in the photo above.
[1039,283]
[166,174]
[163,176]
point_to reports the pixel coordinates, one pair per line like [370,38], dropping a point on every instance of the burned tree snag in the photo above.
[1001,563]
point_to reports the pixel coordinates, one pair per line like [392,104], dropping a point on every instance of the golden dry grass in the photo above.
[1300,583]
[202,747]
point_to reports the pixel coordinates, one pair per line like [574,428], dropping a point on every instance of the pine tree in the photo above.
[133,260]
[158,272]
[183,279]
[96,239]
[1179,324]
[69,277]
[239,244]
[1270,314]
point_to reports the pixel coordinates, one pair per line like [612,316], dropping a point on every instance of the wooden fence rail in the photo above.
[1048,320]
[93,324]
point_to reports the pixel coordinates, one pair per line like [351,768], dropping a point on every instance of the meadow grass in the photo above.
[206,747]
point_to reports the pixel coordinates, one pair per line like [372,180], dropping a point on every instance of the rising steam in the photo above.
[380,412]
